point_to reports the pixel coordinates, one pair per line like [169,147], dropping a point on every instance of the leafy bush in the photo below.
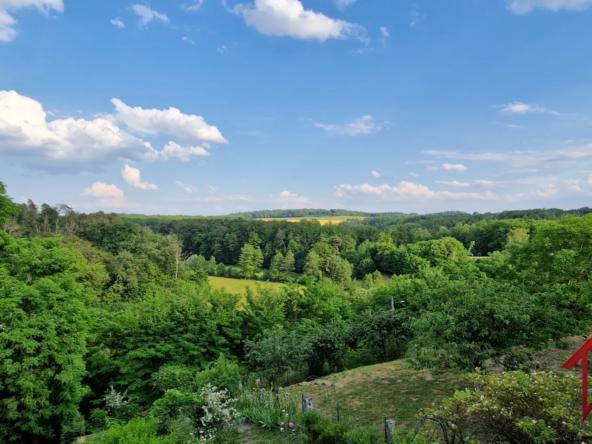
[222,373]
[137,431]
[529,408]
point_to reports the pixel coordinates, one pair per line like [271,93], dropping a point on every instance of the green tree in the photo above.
[251,259]
[42,340]
[276,264]
[289,263]
[8,208]
[338,270]
[312,266]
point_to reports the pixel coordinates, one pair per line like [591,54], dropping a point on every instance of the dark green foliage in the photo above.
[7,207]
[42,340]
[277,355]
[222,374]
[384,331]
[328,347]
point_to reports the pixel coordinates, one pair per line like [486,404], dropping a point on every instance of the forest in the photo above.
[110,330]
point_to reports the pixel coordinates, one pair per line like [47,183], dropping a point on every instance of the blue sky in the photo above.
[211,107]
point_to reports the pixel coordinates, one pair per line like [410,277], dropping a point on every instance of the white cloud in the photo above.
[221,49]
[525,6]
[590,180]
[384,32]
[522,108]
[342,4]
[118,23]
[108,196]
[188,128]
[173,150]
[100,189]
[131,176]
[8,23]
[147,15]
[406,191]
[413,175]
[375,173]
[288,18]
[63,145]
[363,125]
[524,160]
[196,6]
[189,189]
[188,40]
[574,188]
[453,183]
[458,168]
[77,145]
[287,199]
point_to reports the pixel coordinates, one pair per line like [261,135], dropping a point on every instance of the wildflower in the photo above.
[291,425]
[287,415]
[282,430]
[564,423]
[534,421]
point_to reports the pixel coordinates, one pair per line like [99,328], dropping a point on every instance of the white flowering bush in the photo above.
[218,410]
[114,401]
[530,408]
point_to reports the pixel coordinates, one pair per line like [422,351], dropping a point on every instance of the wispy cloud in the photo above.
[118,23]
[363,125]
[525,6]
[147,15]
[406,191]
[524,108]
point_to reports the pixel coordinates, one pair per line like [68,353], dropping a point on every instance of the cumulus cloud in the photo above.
[375,173]
[189,189]
[288,18]
[287,199]
[363,125]
[63,145]
[147,15]
[78,145]
[523,108]
[8,23]
[457,168]
[131,176]
[118,23]
[406,191]
[173,150]
[108,196]
[188,128]
[525,6]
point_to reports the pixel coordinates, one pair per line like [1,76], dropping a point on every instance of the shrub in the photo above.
[223,374]
[177,377]
[137,431]
[529,408]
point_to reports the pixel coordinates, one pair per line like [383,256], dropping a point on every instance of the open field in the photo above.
[322,219]
[239,286]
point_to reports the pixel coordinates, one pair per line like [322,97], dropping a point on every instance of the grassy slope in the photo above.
[367,394]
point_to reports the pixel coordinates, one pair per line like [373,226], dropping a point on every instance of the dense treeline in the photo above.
[109,328]
[282,214]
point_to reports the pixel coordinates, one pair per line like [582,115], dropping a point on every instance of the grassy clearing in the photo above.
[367,394]
[322,219]
[239,286]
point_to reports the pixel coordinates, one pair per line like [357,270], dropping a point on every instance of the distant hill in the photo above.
[284,214]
